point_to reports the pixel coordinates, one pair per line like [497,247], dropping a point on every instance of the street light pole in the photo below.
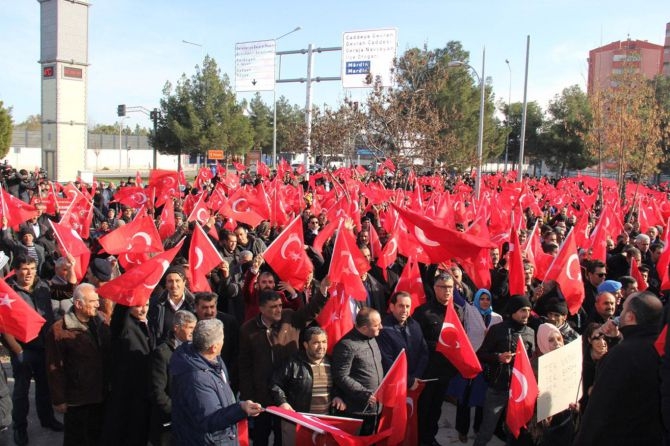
[274,103]
[480,135]
[509,102]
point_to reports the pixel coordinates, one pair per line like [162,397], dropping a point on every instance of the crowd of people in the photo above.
[188,367]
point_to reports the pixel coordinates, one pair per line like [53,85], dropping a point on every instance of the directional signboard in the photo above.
[367,53]
[255,65]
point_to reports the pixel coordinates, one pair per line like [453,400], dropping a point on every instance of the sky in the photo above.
[135,47]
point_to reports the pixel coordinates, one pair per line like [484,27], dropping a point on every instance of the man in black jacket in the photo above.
[357,368]
[163,307]
[624,405]
[497,352]
[294,386]
[439,371]
[159,380]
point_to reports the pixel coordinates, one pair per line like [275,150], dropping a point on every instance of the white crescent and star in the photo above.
[144,236]
[199,217]
[235,204]
[523,382]
[447,325]
[293,254]
[6,301]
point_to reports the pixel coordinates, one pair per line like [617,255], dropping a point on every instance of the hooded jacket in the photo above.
[204,409]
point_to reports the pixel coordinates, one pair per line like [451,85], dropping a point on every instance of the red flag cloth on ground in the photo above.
[140,235]
[517,280]
[336,317]
[134,287]
[287,257]
[69,242]
[17,318]
[412,433]
[410,282]
[167,224]
[637,275]
[203,257]
[392,395]
[566,271]
[454,344]
[348,264]
[523,391]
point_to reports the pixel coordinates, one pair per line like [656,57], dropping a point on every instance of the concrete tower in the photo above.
[64,74]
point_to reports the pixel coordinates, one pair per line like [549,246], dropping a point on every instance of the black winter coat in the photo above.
[624,407]
[292,383]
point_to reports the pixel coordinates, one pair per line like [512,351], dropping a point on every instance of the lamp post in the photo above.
[274,103]
[480,136]
[509,101]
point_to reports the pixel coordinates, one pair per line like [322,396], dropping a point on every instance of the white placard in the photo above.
[368,52]
[559,378]
[255,65]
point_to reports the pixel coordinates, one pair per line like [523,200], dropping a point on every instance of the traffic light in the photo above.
[153,115]
[121,110]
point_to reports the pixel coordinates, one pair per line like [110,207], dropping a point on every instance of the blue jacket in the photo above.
[391,341]
[204,409]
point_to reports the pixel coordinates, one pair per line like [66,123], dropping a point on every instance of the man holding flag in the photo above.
[498,352]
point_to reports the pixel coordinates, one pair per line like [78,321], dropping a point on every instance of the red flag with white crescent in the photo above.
[523,391]
[287,257]
[203,257]
[567,273]
[454,344]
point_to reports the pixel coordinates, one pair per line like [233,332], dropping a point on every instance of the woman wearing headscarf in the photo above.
[559,429]
[471,392]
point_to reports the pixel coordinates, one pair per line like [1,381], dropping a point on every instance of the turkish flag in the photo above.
[140,235]
[79,214]
[664,259]
[454,344]
[439,243]
[388,255]
[567,273]
[412,433]
[204,175]
[129,260]
[167,225]
[637,275]
[389,165]
[517,281]
[322,426]
[17,318]
[200,213]
[134,287]
[523,391]
[134,197]
[304,435]
[287,257]
[336,317]
[203,257]
[241,206]
[243,432]
[239,166]
[410,282]
[348,264]
[166,183]
[262,169]
[478,268]
[392,395]
[659,343]
[69,242]
[375,244]
[324,234]
[15,210]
